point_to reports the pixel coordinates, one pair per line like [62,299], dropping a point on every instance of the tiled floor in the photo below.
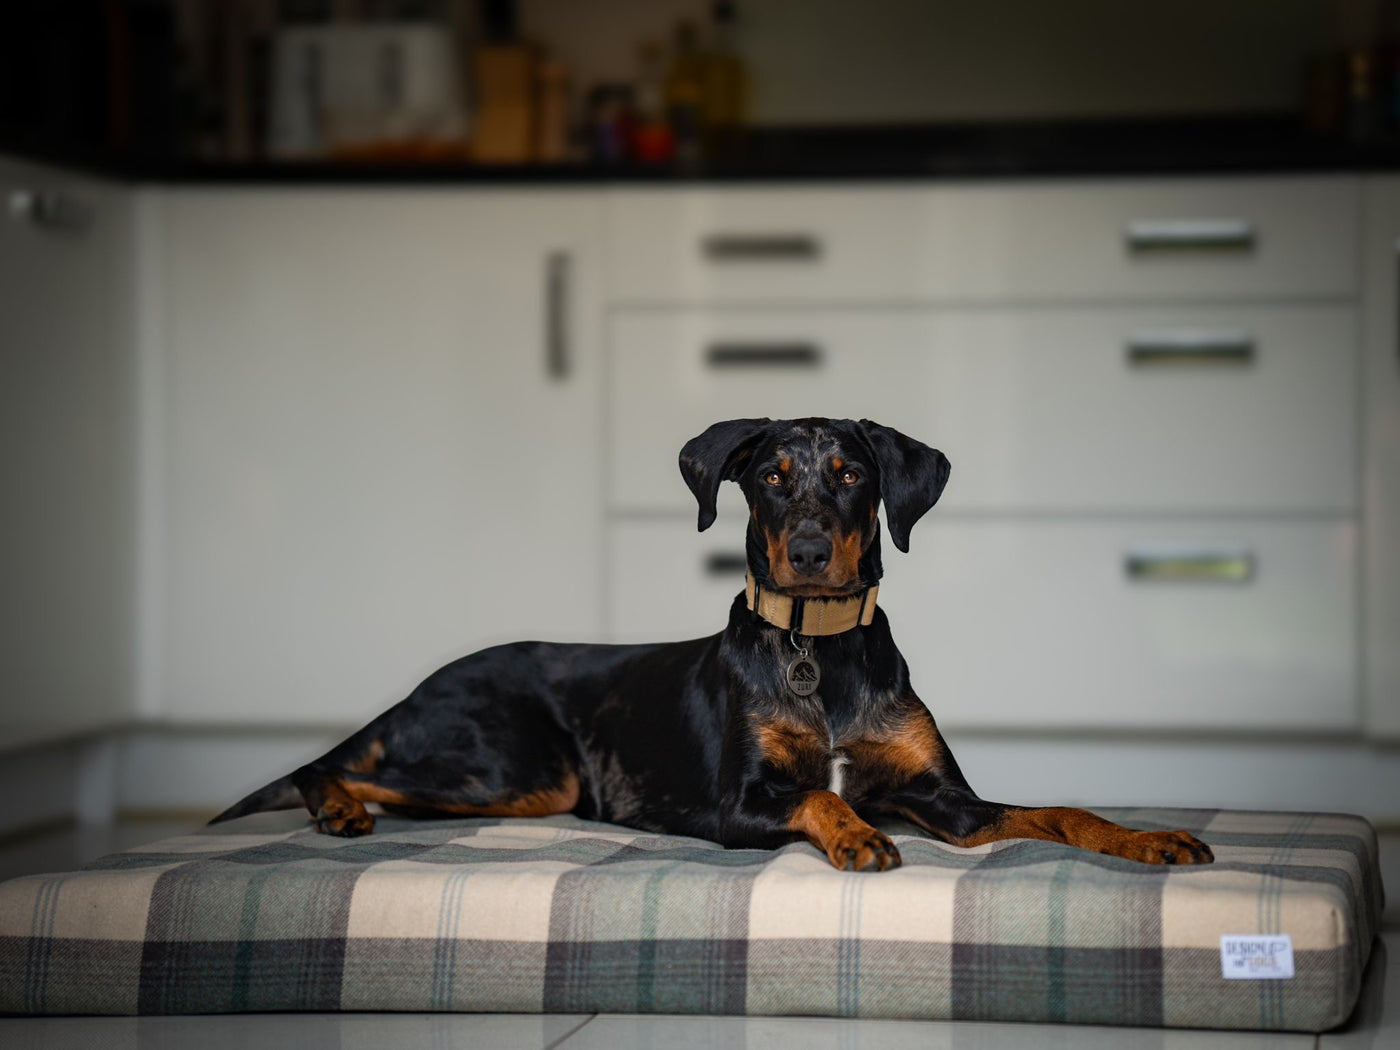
[1375,1026]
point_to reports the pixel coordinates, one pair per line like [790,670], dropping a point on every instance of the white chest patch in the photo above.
[837,779]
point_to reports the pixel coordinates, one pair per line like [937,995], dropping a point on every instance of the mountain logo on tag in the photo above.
[803,674]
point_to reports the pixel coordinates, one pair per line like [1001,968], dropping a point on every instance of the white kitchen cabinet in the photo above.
[1149,391]
[381,411]
[1167,409]
[67,454]
[1211,240]
[1381,457]
[1062,624]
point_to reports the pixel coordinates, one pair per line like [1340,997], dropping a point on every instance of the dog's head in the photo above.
[813,486]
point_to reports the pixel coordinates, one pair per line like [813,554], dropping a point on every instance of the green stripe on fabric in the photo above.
[848,946]
[1272,882]
[247,934]
[40,948]
[1055,1002]
[646,955]
[444,975]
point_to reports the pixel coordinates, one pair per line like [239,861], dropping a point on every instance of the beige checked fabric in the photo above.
[565,915]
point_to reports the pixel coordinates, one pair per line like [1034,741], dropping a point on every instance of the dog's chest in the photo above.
[811,756]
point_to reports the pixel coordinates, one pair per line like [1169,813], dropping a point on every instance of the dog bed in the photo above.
[565,915]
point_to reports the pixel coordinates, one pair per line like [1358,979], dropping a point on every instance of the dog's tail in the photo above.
[280,794]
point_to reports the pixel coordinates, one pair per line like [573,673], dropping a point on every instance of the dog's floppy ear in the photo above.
[719,454]
[912,477]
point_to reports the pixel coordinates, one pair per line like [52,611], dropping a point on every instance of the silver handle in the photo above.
[1186,346]
[763,355]
[1148,234]
[725,563]
[556,314]
[1204,566]
[761,247]
[51,210]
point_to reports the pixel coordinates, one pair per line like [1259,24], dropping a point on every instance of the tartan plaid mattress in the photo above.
[565,915]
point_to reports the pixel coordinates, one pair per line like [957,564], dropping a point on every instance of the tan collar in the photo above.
[812,616]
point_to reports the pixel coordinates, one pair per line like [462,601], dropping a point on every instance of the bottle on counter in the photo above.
[608,123]
[652,139]
[724,98]
[1365,112]
[685,92]
[504,67]
[552,106]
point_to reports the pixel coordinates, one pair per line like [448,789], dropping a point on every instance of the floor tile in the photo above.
[610,1032]
[292,1032]
[1376,1022]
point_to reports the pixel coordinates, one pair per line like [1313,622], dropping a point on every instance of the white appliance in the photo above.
[356,87]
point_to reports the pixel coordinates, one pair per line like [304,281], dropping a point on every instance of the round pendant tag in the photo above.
[803,674]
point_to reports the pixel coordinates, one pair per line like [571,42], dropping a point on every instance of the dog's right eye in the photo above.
[773,478]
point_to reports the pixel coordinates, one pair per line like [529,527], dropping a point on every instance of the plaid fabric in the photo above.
[563,915]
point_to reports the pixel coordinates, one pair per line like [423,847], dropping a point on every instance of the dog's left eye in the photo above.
[849,477]
[773,478]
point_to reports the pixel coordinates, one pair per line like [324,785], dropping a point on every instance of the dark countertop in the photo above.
[1250,144]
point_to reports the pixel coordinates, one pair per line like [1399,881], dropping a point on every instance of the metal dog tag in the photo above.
[803,674]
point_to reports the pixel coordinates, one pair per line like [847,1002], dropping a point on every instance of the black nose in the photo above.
[809,555]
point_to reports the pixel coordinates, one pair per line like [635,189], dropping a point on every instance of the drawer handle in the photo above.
[556,314]
[1191,347]
[725,563]
[761,247]
[51,210]
[1150,234]
[1212,566]
[763,355]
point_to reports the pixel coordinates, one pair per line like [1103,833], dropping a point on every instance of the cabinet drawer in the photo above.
[1153,241]
[1068,409]
[1239,623]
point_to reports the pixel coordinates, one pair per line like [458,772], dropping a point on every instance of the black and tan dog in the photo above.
[796,721]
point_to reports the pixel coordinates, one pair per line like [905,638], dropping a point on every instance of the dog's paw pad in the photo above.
[1167,847]
[863,848]
[344,821]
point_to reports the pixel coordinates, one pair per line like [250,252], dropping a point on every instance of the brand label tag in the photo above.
[1255,957]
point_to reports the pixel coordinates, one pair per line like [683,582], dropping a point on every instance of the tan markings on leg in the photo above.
[833,827]
[543,803]
[369,761]
[1078,827]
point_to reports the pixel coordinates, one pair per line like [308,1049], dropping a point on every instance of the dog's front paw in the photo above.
[1166,847]
[859,847]
[346,818]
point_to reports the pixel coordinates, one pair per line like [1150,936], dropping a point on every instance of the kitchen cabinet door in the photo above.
[1380,484]
[1068,623]
[67,454]
[382,441]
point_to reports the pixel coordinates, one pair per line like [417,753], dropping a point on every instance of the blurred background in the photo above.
[342,338]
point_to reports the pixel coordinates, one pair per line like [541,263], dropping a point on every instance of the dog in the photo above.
[797,721]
